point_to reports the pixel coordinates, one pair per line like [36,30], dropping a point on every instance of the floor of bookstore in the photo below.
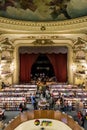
[11,114]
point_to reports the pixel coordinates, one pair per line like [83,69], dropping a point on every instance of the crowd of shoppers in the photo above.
[45,96]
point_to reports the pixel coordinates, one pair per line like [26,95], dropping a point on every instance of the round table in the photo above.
[43,124]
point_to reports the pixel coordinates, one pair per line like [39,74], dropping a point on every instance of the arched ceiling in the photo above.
[43,10]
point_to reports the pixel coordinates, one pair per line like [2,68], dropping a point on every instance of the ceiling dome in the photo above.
[43,10]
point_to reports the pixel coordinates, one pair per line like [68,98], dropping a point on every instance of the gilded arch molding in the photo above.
[59,26]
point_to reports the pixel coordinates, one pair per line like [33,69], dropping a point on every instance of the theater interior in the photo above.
[43,64]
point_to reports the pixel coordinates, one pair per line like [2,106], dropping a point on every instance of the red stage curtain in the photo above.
[26,62]
[59,62]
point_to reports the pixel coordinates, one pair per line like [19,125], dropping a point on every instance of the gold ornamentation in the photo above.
[35,26]
[80,44]
[43,42]
[43,28]
[6,44]
[53,23]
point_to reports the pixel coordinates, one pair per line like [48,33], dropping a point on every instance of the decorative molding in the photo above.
[66,25]
[78,75]
[33,38]
[41,24]
[6,44]
[43,28]
[80,44]
[43,42]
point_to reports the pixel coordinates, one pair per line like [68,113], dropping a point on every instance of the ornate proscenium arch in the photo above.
[56,55]
[21,43]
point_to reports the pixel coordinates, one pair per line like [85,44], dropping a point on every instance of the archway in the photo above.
[42,67]
[58,60]
[43,50]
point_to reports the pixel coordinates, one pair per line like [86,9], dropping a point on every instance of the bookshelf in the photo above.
[70,92]
[10,98]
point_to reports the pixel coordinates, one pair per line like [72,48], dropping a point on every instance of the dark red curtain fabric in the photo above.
[52,58]
[26,62]
[59,62]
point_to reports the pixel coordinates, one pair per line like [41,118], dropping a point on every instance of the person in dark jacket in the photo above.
[21,107]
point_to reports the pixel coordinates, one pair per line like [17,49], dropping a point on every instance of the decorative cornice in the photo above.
[43,26]
[38,40]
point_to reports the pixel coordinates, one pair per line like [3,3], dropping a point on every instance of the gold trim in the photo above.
[16,58]
[72,24]
[43,42]
[47,23]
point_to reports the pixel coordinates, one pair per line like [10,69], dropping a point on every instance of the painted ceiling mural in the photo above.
[43,10]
